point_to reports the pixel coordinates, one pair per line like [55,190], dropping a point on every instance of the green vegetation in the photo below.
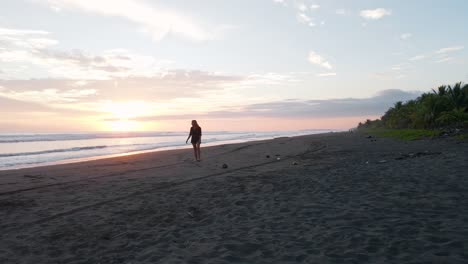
[462,137]
[404,134]
[446,107]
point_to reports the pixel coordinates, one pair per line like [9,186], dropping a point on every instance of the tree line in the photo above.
[446,106]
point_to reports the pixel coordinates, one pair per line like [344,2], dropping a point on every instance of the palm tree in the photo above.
[432,107]
[458,100]
[441,91]
[456,118]
[445,106]
[465,91]
[457,96]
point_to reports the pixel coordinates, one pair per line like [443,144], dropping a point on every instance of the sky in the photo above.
[239,65]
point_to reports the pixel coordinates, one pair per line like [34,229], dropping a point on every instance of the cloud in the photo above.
[172,91]
[314,7]
[156,21]
[77,76]
[21,32]
[160,88]
[315,58]
[254,80]
[341,11]
[444,59]
[326,74]
[449,49]
[282,2]
[49,95]
[438,56]
[375,14]
[400,76]
[26,48]
[163,86]
[405,36]
[397,71]
[401,66]
[418,57]
[299,109]
[14,106]
[302,7]
[24,39]
[305,19]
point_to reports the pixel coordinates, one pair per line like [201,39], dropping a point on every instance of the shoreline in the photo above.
[329,198]
[158,149]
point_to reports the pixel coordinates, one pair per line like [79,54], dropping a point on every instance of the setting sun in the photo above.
[121,114]
[126,110]
[125,125]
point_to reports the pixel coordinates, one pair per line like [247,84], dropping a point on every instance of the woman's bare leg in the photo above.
[195,152]
[198,151]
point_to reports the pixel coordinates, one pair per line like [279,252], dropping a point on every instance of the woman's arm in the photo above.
[190,134]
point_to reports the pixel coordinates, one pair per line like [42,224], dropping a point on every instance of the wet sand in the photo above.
[329,198]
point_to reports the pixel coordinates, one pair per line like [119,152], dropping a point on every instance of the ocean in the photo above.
[31,150]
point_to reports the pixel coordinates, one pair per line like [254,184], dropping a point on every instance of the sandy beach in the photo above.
[328,198]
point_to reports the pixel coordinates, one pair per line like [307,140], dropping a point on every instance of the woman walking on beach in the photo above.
[195,133]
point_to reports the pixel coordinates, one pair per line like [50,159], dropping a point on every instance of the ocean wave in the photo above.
[95,148]
[51,151]
[19,138]
[63,137]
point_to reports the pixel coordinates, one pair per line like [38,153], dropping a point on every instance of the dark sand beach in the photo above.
[329,198]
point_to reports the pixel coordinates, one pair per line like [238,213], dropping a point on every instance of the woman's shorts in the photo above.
[195,140]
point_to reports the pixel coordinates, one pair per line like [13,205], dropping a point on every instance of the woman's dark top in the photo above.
[196,133]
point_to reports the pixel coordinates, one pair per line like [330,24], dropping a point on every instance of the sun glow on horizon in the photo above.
[126,110]
[125,126]
[121,114]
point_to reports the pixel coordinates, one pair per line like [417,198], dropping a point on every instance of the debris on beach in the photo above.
[267,156]
[225,166]
[278,158]
[294,163]
[382,161]
[193,211]
[108,237]
[369,137]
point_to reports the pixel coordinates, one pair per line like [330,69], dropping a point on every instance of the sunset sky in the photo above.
[116,65]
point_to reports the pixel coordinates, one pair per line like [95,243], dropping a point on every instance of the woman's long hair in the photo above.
[195,124]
